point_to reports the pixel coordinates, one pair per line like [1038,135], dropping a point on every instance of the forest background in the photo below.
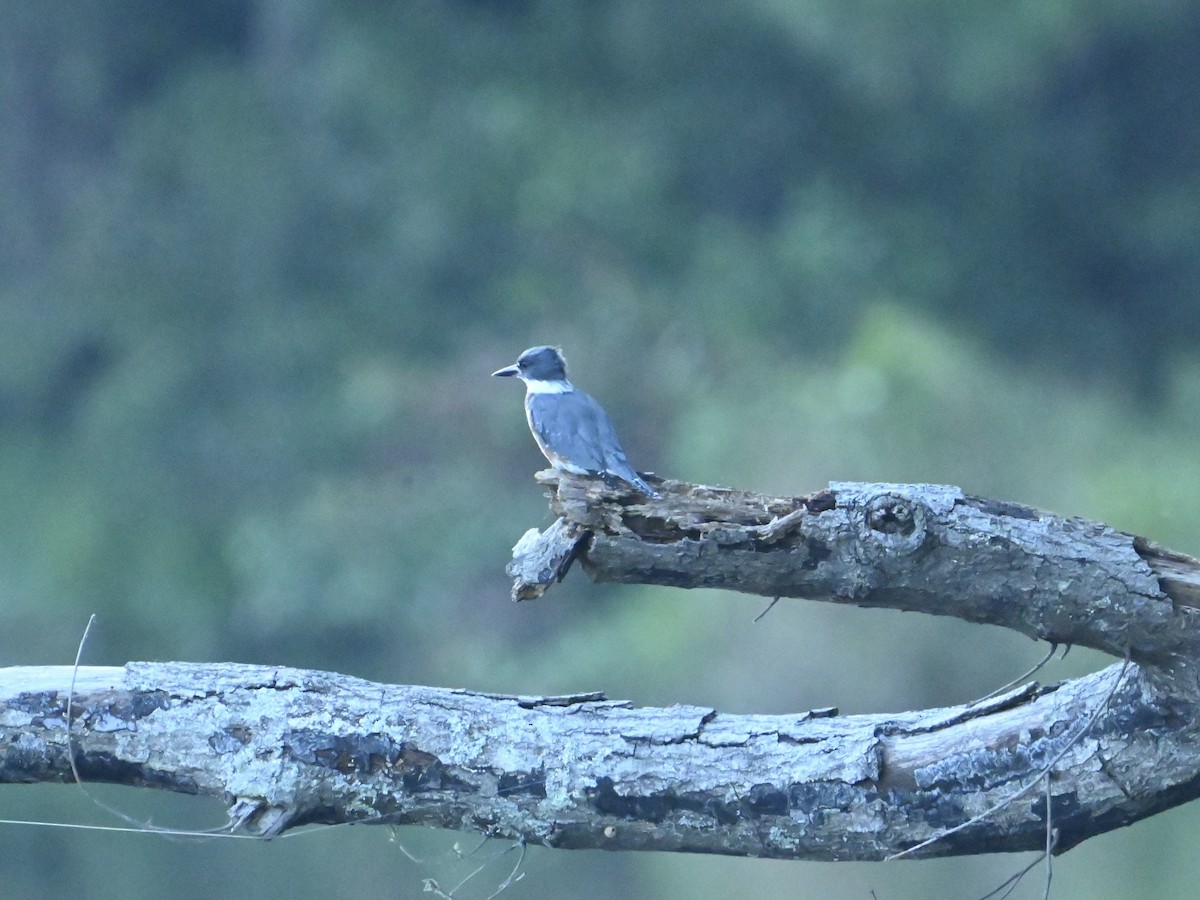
[257,259]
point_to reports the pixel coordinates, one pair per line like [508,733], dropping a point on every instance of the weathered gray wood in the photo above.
[541,559]
[921,547]
[285,747]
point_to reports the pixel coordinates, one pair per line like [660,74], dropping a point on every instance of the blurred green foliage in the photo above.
[257,259]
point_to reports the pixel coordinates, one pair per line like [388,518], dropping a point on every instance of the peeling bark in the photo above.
[285,747]
[926,548]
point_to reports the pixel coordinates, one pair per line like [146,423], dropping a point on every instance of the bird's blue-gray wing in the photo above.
[575,434]
[573,427]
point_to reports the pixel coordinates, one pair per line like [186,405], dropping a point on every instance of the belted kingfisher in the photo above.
[570,428]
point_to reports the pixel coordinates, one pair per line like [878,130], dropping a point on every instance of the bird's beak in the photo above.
[505,372]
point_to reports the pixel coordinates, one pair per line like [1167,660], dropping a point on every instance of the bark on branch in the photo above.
[922,547]
[286,747]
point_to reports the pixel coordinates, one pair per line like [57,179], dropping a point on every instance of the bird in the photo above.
[570,427]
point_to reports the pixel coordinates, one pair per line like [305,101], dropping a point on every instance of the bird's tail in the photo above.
[636,480]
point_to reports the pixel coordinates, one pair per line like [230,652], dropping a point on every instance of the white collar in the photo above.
[536,386]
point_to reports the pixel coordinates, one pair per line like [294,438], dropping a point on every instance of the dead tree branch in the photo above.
[284,748]
[921,547]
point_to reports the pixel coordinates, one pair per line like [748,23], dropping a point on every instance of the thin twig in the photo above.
[484,865]
[144,826]
[513,877]
[71,698]
[1010,883]
[112,810]
[1051,841]
[770,606]
[1020,679]
[169,832]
